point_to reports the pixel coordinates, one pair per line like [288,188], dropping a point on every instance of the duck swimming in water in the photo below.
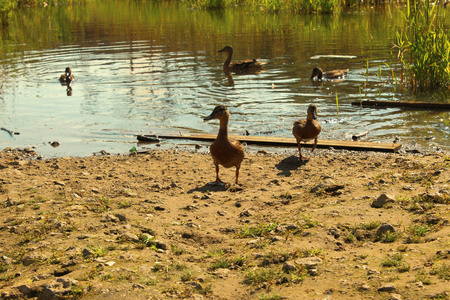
[334,74]
[225,152]
[67,77]
[243,65]
[307,129]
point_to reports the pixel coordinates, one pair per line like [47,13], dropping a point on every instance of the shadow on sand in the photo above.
[210,187]
[289,164]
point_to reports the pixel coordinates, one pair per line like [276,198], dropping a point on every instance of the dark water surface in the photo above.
[153,67]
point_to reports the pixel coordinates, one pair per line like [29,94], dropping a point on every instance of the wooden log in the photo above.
[359,135]
[417,105]
[284,142]
[11,133]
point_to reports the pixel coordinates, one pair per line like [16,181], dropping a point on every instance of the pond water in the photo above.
[153,67]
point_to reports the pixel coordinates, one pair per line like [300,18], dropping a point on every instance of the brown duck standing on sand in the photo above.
[242,65]
[335,74]
[225,152]
[67,77]
[307,129]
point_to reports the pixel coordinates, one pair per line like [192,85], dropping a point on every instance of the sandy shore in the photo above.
[151,226]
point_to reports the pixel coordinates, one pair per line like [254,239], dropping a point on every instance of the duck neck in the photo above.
[223,131]
[227,62]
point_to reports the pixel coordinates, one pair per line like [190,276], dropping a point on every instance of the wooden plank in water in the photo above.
[419,105]
[284,142]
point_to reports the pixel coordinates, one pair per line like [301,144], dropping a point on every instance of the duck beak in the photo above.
[210,117]
[221,50]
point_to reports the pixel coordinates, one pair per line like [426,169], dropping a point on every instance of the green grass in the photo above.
[258,276]
[221,263]
[177,250]
[442,271]
[259,230]
[125,204]
[271,297]
[215,252]
[390,237]
[98,251]
[393,260]
[417,231]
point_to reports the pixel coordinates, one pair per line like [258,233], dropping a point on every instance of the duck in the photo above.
[334,74]
[242,65]
[307,129]
[67,77]
[224,151]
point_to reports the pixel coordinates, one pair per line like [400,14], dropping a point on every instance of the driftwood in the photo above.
[11,133]
[416,105]
[359,135]
[283,142]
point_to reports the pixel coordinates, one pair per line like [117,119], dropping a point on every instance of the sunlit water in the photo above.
[150,67]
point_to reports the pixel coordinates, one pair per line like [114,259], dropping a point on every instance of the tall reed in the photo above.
[275,6]
[424,47]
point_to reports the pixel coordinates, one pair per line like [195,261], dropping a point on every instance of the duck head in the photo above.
[312,112]
[219,112]
[227,49]
[317,72]
[68,72]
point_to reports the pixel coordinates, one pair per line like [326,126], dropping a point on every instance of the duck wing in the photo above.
[335,73]
[305,130]
[228,153]
[247,64]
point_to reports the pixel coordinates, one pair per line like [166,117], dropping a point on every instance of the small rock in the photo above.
[387,288]
[24,289]
[288,267]
[160,245]
[382,200]
[87,253]
[395,297]
[383,229]
[334,232]
[121,218]
[66,281]
[138,286]
[30,259]
[196,285]
[313,272]
[129,236]
[309,262]
[245,213]
[6,260]
[364,287]
[112,218]
[286,227]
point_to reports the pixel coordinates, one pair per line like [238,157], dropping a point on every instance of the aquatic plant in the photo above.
[424,47]
[8,6]
[275,6]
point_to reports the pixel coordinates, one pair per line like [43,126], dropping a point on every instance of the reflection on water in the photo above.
[154,68]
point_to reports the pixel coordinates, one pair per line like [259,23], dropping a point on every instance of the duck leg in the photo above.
[237,174]
[300,152]
[315,144]
[218,181]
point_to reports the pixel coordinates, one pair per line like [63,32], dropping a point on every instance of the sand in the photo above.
[152,226]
